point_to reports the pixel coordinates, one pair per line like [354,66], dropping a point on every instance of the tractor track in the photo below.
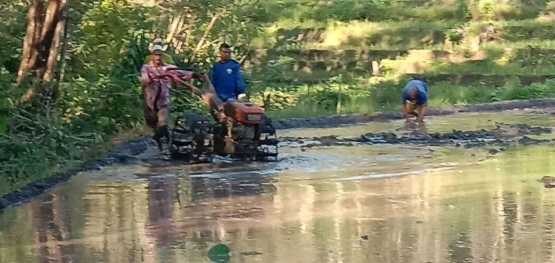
[124,152]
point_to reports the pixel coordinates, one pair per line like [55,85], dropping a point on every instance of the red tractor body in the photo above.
[244,112]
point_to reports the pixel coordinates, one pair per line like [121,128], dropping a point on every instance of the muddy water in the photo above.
[327,204]
[473,121]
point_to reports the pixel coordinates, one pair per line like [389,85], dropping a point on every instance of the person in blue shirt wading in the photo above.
[226,76]
[414,100]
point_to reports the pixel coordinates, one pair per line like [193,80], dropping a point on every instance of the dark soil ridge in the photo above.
[350,119]
[125,151]
[503,136]
[120,154]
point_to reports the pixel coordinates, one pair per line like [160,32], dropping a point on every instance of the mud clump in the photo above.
[504,135]
[310,142]
[548,181]
[351,119]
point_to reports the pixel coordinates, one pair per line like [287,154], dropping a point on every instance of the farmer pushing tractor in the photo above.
[241,129]
[156,92]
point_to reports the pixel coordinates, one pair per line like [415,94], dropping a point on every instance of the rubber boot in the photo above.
[156,137]
[164,132]
[159,133]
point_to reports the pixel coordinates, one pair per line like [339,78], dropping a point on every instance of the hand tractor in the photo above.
[241,130]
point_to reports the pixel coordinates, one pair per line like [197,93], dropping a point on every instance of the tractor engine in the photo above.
[244,112]
[240,136]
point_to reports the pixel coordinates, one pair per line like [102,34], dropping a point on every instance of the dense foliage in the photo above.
[99,92]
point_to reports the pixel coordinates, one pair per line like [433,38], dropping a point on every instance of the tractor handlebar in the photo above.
[196,75]
[185,69]
[180,81]
[163,76]
[173,76]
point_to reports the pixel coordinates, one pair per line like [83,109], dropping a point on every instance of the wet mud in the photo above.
[125,152]
[504,135]
[548,181]
[349,119]
[492,211]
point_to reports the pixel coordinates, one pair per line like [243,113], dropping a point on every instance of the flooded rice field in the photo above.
[366,193]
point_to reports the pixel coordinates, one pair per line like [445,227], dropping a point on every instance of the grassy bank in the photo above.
[367,55]
[410,34]
[398,10]
[320,65]
[54,151]
[466,74]
[325,100]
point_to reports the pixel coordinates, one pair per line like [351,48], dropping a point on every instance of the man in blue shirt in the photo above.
[414,98]
[226,76]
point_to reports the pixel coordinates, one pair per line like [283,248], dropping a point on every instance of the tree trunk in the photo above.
[41,43]
[174,28]
[60,66]
[29,54]
[204,35]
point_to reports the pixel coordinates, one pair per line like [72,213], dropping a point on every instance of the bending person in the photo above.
[414,100]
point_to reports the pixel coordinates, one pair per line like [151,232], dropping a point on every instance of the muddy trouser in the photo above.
[157,120]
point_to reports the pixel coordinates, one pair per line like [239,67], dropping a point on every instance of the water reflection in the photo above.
[415,128]
[231,186]
[161,200]
[200,200]
[494,211]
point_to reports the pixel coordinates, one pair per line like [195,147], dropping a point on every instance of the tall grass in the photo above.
[520,44]
[404,34]
[387,96]
[457,10]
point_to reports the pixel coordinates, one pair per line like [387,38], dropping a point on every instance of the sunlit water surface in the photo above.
[334,204]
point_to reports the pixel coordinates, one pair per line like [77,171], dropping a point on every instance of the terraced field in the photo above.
[383,47]
[490,67]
